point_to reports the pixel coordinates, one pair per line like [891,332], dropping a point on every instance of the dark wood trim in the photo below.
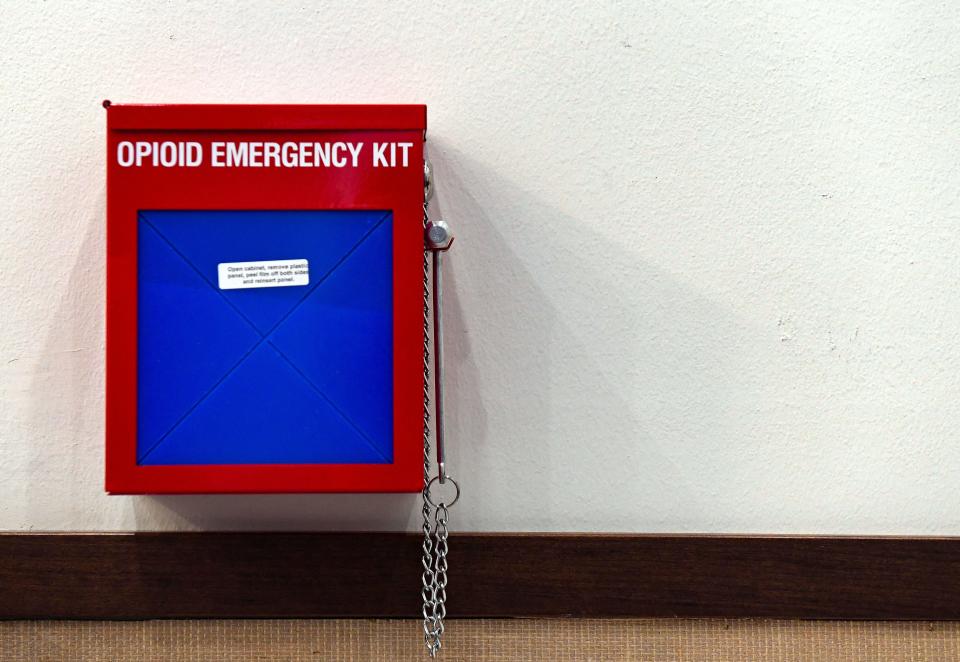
[278,575]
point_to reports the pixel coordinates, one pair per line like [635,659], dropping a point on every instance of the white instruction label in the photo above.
[268,273]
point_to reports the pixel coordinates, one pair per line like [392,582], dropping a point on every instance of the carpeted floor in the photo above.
[495,640]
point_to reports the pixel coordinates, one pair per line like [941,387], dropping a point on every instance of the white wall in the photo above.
[706,276]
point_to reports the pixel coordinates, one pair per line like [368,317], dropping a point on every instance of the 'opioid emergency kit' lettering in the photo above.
[262,154]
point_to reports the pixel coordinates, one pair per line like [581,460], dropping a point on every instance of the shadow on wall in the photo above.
[66,390]
[587,364]
[551,388]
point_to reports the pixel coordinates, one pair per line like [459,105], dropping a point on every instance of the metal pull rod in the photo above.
[438,241]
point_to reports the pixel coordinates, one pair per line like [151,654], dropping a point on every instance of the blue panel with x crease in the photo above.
[271,375]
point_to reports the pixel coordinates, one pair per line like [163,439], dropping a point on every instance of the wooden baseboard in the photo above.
[283,575]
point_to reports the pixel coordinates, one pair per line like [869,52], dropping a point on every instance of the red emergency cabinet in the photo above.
[264,298]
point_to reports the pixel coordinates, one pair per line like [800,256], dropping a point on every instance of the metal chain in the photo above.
[432,626]
[437,239]
[440,568]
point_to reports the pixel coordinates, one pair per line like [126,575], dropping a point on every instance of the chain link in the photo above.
[434,549]
[431,628]
[437,239]
[440,568]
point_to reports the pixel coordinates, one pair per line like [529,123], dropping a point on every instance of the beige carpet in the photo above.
[553,640]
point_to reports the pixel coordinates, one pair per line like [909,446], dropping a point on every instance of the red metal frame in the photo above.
[130,189]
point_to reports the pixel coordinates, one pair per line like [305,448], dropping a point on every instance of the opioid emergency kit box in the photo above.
[264,298]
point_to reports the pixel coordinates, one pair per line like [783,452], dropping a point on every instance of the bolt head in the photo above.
[438,235]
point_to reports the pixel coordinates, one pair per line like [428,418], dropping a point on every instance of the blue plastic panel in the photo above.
[271,375]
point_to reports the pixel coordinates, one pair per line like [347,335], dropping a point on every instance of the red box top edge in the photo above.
[268,117]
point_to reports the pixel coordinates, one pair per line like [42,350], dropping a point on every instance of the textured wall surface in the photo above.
[706,276]
[560,640]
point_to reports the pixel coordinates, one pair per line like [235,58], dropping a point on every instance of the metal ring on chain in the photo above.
[426,491]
